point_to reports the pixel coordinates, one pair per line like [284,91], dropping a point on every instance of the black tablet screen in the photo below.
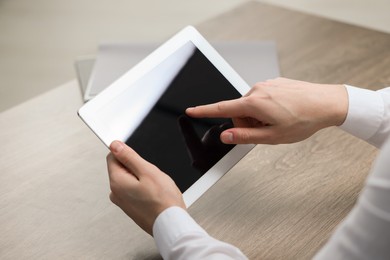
[185,148]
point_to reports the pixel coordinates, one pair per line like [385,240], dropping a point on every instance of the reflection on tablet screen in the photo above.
[184,147]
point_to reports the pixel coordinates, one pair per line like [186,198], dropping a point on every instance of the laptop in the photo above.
[254,61]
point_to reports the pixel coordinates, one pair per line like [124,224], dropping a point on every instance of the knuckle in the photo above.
[258,85]
[251,100]
[127,160]
[221,106]
[251,103]
[262,91]
[263,84]
[245,137]
[113,198]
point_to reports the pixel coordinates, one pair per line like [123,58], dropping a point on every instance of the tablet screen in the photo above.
[185,148]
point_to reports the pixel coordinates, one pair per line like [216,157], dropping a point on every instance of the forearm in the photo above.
[178,236]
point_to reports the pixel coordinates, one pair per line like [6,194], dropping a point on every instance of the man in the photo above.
[272,112]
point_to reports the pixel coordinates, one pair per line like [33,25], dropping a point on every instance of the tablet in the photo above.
[145,108]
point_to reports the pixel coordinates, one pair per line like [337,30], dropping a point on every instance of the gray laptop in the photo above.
[253,61]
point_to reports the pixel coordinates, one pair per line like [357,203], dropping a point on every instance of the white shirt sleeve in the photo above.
[365,232]
[368,115]
[178,236]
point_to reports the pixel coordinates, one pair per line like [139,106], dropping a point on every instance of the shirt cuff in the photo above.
[365,112]
[172,224]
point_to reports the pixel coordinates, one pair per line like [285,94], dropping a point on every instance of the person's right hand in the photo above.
[279,111]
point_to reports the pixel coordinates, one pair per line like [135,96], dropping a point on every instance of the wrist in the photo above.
[336,105]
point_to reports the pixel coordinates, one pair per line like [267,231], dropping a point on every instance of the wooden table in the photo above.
[279,202]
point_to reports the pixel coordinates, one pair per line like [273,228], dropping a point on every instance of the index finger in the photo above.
[223,109]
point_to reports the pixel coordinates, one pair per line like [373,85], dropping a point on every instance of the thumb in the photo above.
[128,158]
[263,135]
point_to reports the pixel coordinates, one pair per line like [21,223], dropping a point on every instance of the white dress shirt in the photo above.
[364,234]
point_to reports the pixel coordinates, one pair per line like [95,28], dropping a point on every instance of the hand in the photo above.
[279,111]
[138,187]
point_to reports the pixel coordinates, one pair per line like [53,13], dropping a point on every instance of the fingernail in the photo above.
[227,137]
[116,146]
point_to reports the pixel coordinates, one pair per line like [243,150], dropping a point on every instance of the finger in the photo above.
[264,135]
[129,158]
[223,109]
[119,176]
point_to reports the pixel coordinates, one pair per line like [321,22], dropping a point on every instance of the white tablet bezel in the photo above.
[88,113]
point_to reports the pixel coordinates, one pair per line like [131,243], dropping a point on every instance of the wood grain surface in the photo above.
[279,202]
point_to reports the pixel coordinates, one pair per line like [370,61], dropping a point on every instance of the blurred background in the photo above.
[40,39]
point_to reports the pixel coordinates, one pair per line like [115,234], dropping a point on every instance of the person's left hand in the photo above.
[138,187]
